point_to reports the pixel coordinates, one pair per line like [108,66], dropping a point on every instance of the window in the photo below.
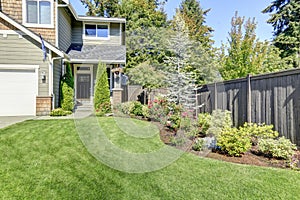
[38,13]
[96,30]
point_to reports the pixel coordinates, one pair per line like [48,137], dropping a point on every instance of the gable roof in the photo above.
[94,53]
[32,34]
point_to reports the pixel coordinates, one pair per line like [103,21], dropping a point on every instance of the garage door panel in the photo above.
[18,91]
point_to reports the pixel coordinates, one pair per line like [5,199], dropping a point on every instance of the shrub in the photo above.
[204,122]
[101,90]
[145,111]
[198,145]
[103,109]
[259,131]
[281,148]
[136,108]
[67,99]
[233,141]
[67,90]
[219,120]
[60,112]
[173,121]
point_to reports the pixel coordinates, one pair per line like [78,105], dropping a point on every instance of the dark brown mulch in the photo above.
[250,158]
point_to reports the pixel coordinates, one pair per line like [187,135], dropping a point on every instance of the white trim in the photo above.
[36,25]
[56,24]
[94,19]
[84,37]
[32,35]
[97,61]
[11,32]
[23,67]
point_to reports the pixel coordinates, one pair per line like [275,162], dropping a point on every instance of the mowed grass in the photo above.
[47,160]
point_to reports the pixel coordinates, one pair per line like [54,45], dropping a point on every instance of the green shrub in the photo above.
[103,109]
[233,141]
[281,148]
[136,108]
[204,122]
[173,121]
[101,90]
[67,100]
[67,90]
[259,131]
[219,120]
[198,145]
[59,112]
[145,111]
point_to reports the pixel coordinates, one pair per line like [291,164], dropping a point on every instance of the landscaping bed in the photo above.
[252,157]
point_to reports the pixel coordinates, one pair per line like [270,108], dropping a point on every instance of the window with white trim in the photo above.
[38,13]
[96,31]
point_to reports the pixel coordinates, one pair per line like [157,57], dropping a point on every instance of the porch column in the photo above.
[117,96]
[117,90]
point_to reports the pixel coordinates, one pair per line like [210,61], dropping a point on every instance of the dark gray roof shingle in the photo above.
[103,53]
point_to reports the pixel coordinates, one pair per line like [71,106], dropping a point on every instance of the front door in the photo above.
[83,86]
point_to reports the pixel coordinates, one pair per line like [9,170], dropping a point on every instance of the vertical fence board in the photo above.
[275,99]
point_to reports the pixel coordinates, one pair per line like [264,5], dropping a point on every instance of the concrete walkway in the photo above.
[7,121]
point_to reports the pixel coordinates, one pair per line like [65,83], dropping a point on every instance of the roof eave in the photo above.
[95,61]
[94,19]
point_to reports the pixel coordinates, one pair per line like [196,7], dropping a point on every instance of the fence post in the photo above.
[249,98]
[216,96]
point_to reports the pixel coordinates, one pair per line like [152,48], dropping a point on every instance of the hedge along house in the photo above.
[31,67]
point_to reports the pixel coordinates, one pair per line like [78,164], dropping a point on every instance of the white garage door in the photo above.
[18,90]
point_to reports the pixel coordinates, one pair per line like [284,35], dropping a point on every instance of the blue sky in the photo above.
[219,17]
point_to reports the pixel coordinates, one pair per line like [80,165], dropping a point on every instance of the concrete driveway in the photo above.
[7,121]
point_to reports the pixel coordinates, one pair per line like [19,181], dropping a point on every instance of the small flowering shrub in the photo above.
[158,109]
[281,148]
[103,109]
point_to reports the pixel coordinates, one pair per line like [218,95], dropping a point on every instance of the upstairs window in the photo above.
[96,31]
[38,13]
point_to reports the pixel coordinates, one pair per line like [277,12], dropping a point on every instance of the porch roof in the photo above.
[113,54]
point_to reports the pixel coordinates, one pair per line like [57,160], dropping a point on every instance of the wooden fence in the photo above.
[271,98]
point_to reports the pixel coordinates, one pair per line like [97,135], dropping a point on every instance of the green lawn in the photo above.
[47,160]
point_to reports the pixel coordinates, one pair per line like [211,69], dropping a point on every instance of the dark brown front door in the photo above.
[83,86]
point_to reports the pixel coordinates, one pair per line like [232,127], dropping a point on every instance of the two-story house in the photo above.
[31,67]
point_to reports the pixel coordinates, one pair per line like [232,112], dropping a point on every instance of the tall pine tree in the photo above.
[102,8]
[285,19]
[194,17]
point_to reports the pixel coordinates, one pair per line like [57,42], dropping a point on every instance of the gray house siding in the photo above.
[56,81]
[22,50]
[64,30]
[77,32]
[114,34]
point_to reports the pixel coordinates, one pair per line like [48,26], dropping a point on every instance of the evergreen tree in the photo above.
[102,8]
[285,19]
[144,20]
[101,90]
[67,90]
[194,17]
